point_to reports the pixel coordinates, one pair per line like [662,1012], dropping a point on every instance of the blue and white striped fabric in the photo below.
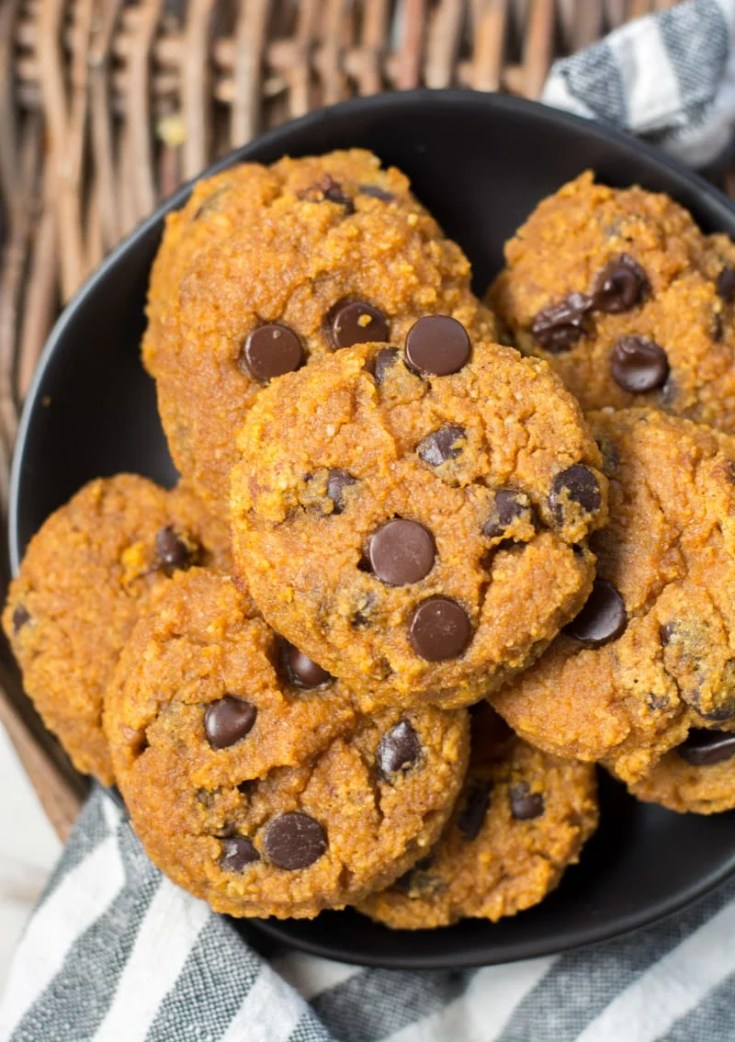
[116,953]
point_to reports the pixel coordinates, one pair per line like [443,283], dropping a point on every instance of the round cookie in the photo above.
[652,654]
[696,776]
[623,295]
[265,268]
[84,580]
[522,817]
[250,776]
[415,519]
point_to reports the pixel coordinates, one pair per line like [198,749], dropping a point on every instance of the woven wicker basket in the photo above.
[106,105]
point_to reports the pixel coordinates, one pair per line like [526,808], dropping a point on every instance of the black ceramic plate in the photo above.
[480,163]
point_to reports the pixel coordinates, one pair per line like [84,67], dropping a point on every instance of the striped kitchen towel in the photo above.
[116,953]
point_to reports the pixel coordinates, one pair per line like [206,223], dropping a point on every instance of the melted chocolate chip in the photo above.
[228,720]
[473,813]
[638,365]
[441,445]
[620,285]
[509,505]
[704,748]
[237,853]
[725,285]
[401,552]
[383,361]
[171,551]
[356,322]
[326,189]
[337,482]
[377,193]
[558,327]
[439,629]
[271,351]
[602,619]
[437,345]
[575,485]
[300,669]
[525,805]
[21,616]
[294,840]
[399,749]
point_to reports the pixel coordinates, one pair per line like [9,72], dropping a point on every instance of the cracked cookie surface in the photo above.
[86,576]
[417,531]
[265,268]
[252,780]
[652,654]
[520,820]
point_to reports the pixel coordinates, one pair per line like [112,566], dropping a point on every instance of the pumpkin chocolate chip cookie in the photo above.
[266,268]
[251,778]
[652,653]
[521,818]
[83,582]
[626,299]
[415,519]
[697,776]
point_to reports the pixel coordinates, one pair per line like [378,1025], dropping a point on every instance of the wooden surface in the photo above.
[105,106]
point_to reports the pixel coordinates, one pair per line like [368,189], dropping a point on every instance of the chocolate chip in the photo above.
[725,711]
[704,748]
[602,619]
[509,505]
[377,193]
[437,345]
[171,551]
[525,805]
[327,189]
[21,616]
[337,482]
[638,364]
[383,361]
[294,840]
[271,351]
[399,749]
[441,445]
[620,285]
[401,552]
[228,720]
[473,813]
[356,322]
[558,327]
[300,669]
[237,852]
[725,285]
[716,329]
[439,629]
[578,485]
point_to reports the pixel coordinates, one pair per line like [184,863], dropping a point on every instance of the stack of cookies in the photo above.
[407,593]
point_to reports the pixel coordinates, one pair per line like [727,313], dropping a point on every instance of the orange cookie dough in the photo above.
[522,817]
[83,582]
[652,654]
[251,778]
[265,268]
[416,519]
[698,776]
[626,299]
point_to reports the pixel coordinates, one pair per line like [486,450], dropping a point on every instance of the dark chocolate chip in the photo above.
[271,351]
[558,327]
[725,711]
[509,505]
[300,669]
[704,748]
[725,285]
[401,552]
[294,840]
[237,852]
[525,805]
[437,345]
[171,551]
[620,285]
[377,193]
[228,720]
[439,629]
[441,445]
[399,749]
[337,482]
[21,616]
[408,881]
[327,189]
[602,619]
[638,364]
[356,322]
[473,813]
[577,484]
[383,361]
